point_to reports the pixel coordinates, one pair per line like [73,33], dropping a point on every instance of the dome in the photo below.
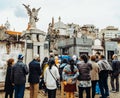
[60,25]
[97,42]
[7,25]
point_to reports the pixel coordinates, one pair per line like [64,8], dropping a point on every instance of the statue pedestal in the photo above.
[35,44]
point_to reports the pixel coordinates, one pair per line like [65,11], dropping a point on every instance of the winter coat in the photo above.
[84,71]
[34,71]
[19,72]
[8,83]
[104,65]
[48,78]
[115,67]
[95,71]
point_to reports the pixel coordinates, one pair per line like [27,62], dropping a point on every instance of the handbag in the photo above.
[57,81]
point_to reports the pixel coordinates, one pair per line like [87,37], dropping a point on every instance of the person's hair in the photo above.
[114,56]
[65,61]
[72,65]
[44,61]
[10,61]
[51,63]
[102,56]
[98,53]
[84,58]
[93,58]
[96,56]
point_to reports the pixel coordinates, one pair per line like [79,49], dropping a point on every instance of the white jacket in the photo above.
[48,78]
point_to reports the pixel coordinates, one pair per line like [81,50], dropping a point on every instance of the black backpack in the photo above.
[61,70]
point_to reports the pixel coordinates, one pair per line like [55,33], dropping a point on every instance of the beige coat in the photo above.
[95,71]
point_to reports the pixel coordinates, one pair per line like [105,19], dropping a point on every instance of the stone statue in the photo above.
[32,16]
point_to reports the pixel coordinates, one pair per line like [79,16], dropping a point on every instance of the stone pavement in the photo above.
[41,94]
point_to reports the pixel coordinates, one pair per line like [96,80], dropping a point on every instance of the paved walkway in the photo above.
[41,94]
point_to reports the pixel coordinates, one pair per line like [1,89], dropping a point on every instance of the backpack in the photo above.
[61,70]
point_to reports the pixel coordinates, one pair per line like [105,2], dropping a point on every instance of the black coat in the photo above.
[34,72]
[115,67]
[19,72]
[8,84]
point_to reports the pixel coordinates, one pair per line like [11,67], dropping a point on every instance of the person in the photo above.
[18,77]
[84,77]
[94,74]
[9,88]
[34,76]
[43,67]
[65,56]
[50,77]
[115,73]
[61,67]
[57,61]
[75,58]
[97,54]
[104,68]
[70,74]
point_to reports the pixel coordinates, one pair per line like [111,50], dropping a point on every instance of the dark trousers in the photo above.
[103,84]
[19,91]
[113,79]
[42,85]
[51,93]
[81,89]
[8,95]
[94,88]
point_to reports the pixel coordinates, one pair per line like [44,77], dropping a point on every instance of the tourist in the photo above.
[57,61]
[61,67]
[70,74]
[94,74]
[18,77]
[44,65]
[34,76]
[50,77]
[104,68]
[115,74]
[8,83]
[97,54]
[84,77]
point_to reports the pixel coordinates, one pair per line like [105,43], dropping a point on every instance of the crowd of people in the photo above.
[75,74]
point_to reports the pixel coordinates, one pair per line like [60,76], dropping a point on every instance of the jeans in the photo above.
[81,89]
[116,78]
[34,90]
[94,88]
[19,91]
[51,93]
[103,84]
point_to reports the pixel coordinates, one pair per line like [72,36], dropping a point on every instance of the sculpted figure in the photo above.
[33,13]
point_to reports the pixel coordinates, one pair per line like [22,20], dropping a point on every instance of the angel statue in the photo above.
[32,16]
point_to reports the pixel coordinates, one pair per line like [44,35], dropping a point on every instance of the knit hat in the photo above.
[20,56]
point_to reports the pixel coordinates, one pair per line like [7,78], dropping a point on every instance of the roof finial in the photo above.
[52,21]
[59,18]
[7,24]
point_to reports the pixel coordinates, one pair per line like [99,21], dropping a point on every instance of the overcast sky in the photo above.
[100,13]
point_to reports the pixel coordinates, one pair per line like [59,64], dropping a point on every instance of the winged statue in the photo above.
[33,15]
